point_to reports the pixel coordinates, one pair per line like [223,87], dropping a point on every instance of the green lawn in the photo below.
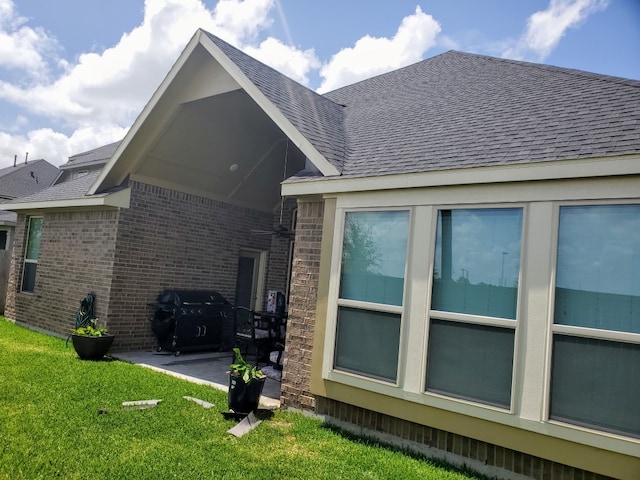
[61,417]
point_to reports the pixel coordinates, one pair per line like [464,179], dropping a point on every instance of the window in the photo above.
[31,255]
[595,371]
[374,257]
[4,237]
[474,304]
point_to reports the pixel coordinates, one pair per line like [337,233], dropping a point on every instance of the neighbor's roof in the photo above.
[26,178]
[460,110]
[97,156]
[72,193]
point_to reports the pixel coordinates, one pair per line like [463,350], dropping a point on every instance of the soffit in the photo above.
[225,147]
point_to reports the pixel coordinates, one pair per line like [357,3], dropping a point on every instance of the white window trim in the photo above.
[584,332]
[535,299]
[26,260]
[512,324]
[328,370]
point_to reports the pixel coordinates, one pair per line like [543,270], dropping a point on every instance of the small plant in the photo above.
[92,329]
[241,368]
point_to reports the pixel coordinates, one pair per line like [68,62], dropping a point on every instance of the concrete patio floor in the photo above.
[207,368]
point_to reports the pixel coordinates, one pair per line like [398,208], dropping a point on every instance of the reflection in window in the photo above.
[374,257]
[476,271]
[598,272]
[32,253]
[477,262]
[598,287]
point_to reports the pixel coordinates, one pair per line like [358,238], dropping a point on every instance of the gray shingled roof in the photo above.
[96,156]
[76,188]
[460,110]
[317,118]
[26,178]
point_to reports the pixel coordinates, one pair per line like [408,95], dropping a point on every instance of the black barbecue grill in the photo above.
[189,320]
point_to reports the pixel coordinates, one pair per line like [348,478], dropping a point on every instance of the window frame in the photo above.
[465,318]
[329,369]
[531,350]
[576,331]
[26,260]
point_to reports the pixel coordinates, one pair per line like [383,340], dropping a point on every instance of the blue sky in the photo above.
[74,74]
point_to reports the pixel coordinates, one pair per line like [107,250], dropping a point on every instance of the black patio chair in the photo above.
[249,337]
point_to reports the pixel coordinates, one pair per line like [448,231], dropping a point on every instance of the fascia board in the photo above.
[326,168]
[557,170]
[119,199]
[155,98]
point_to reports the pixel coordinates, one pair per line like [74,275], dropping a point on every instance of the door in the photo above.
[250,279]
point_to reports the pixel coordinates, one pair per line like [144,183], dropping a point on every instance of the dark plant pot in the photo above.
[244,397]
[91,348]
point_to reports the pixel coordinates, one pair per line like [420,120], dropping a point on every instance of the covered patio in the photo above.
[205,368]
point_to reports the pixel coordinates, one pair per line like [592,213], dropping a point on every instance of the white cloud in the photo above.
[99,95]
[546,27]
[288,60]
[22,47]
[372,56]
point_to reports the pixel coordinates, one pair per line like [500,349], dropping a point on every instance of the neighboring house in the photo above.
[17,181]
[86,163]
[465,277]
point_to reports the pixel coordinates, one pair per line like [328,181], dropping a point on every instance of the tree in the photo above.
[359,252]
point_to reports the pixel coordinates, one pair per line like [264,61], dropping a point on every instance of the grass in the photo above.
[61,417]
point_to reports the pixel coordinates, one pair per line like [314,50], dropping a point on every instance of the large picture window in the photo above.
[595,373]
[374,257]
[32,252]
[474,304]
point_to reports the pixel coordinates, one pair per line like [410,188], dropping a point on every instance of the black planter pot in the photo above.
[244,397]
[91,348]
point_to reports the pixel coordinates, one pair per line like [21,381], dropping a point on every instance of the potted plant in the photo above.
[246,382]
[91,341]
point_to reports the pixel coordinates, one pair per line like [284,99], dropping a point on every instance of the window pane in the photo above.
[367,342]
[598,270]
[477,262]
[33,243]
[596,383]
[374,254]
[29,277]
[470,361]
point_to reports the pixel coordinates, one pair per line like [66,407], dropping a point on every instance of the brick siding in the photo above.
[456,449]
[166,239]
[302,307]
[170,239]
[76,254]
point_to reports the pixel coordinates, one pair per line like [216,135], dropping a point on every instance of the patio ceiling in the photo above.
[226,147]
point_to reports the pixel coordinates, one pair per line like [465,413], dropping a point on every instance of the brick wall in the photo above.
[302,307]
[76,254]
[456,449]
[166,239]
[169,239]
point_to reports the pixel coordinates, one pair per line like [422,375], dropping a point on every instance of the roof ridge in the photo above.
[564,70]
